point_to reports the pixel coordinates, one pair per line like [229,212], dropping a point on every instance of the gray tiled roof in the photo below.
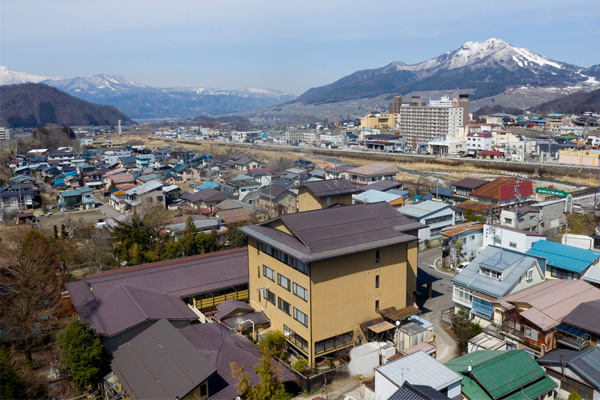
[513,264]
[331,187]
[229,306]
[160,363]
[586,362]
[580,317]
[417,392]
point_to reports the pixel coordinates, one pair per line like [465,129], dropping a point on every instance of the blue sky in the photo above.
[277,44]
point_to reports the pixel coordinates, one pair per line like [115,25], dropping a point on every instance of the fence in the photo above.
[310,383]
[447,315]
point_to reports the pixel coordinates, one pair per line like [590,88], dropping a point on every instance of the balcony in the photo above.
[571,337]
[511,330]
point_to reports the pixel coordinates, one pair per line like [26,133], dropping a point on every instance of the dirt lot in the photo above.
[70,219]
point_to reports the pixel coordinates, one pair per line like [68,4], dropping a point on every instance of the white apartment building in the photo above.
[5,133]
[502,138]
[419,125]
[294,136]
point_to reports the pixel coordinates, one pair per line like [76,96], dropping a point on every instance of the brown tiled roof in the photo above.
[460,228]
[492,190]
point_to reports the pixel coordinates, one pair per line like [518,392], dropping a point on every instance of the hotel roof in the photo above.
[336,231]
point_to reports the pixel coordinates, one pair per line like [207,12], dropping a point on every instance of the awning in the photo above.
[381,327]
[398,315]
[570,330]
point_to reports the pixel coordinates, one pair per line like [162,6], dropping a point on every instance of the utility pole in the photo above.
[517,188]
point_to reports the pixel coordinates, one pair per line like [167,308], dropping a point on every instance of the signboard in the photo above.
[551,191]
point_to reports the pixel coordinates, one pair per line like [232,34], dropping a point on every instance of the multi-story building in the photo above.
[318,275]
[5,133]
[378,121]
[434,214]
[373,172]
[479,141]
[419,124]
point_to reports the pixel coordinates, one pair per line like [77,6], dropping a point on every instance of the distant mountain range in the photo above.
[29,105]
[147,102]
[483,69]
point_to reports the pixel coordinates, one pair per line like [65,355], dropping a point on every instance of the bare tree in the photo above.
[31,280]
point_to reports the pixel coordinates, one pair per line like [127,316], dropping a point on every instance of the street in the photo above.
[441,300]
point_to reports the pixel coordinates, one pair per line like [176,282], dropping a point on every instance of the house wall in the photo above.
[307,201]
[384,388]
[434,230]
[156,197]
[342,292]
[196,394]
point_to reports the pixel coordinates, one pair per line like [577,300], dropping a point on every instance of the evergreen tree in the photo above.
[12,386]
[270,385]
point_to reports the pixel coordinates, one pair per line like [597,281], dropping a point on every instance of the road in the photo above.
[105,208]
[441,300]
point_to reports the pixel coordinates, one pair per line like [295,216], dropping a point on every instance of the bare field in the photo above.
[446,170]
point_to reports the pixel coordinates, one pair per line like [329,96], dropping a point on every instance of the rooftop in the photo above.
[462,228]
[585,362]
[383,185]
[336,231]
[423,209]
[502,188]
[331,187]
[373,169]
[580,317]
[569,258]
[160,363]
[375,196]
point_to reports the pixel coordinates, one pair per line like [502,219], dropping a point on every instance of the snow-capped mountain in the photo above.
[8,77]
[147,102]
[484,68]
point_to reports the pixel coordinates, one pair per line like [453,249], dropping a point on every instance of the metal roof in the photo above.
[419,369]
[229,306]
[336,231]
[512,264]
[373,169]
[563,256]
[423,209]
[585,362]
[383,185]
[331,187]
[144,188]
[160,363]
[470,183]
[580,317]
[222,347]
[374,196]
[417,392]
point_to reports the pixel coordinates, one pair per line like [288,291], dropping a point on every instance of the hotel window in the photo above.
[268,249]
[300,266]
[377,256]
[376,305]
[284,306]
[376,281]
[269,296]
[284,258]
[283,281]
[268,273]
[300,292]
[258,270]
[300,317]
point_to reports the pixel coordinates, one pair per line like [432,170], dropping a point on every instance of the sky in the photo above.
[277,44]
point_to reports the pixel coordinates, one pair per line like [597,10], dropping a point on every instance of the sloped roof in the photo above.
[552,300]
[512,264]
[580,317]
[206,195]
[382,185]
[373,169]
[417,392]
[569,258]
[229,306]
[331,187]
[160,363]
[234,215]
[586,362]
[145,188]
[336,231]
[122,178]
[423,209]
[374,196]
[502,189]
[461,228]
[222,347]
[420,369]
[182,277]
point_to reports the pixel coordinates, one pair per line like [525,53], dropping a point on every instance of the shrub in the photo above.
[301,365]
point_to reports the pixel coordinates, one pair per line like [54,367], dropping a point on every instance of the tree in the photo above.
[84,356]
[235,237]
[471,217]
[274,344]
[574,396]
[12,386]
[300,365]
[270,385]
[31,283]
[464,329]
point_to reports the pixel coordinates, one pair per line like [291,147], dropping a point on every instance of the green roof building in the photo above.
[502,375]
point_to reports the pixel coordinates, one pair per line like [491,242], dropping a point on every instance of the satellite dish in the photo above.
[397,324]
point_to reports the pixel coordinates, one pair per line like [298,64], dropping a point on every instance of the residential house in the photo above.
[435,215]
[374,196]
[492,274]
[234,211]
[13,200]
[574,371]
[127,161]
[207,199]
[246,163]
[60,157]
[276,200]
[501,191]
[322,194]
[502,375]
[239,189]
[262,175]
[416,369]
[119,179]
[374,172]
[509,238]
[531,319]
[159,363]
[78,199]
[584,326]
[470,237]
[304,266]
[527,218]
[337,171]
[117,200]
[148,194]
[564,261]
[145,161]
[474,209]
[383,186]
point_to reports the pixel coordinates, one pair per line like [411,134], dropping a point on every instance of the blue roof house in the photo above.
[564,261]
[495,272]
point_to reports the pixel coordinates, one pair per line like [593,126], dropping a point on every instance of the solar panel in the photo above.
[570,330]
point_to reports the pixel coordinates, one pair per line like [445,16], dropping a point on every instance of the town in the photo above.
[326,260]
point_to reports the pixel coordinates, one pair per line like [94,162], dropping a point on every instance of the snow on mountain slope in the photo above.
[8,77]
